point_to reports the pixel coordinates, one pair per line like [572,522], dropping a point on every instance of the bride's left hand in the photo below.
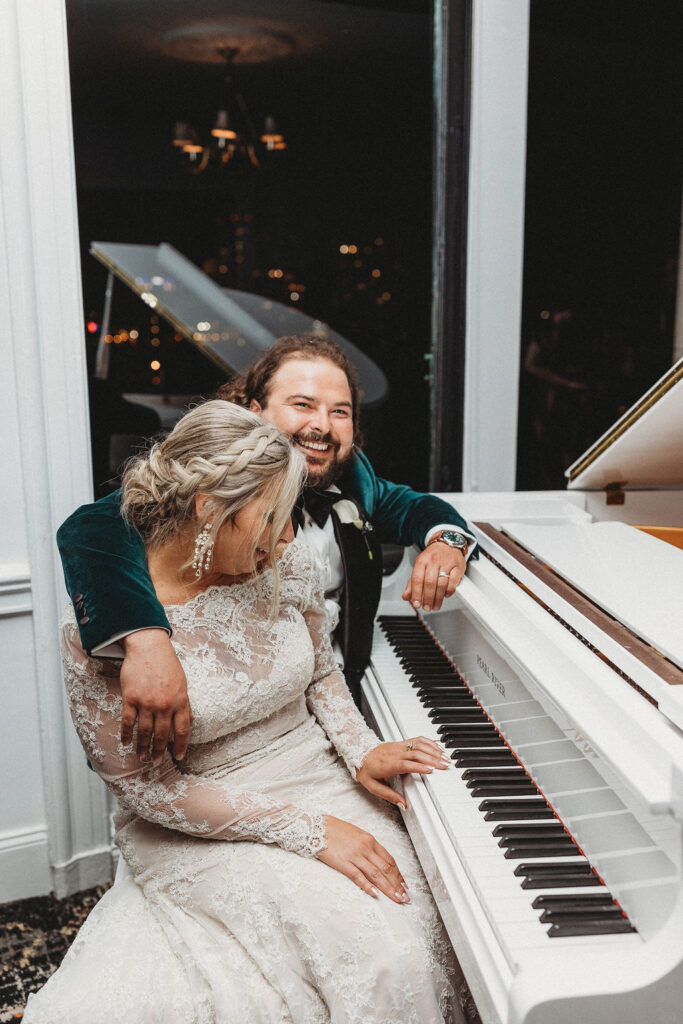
[419,755]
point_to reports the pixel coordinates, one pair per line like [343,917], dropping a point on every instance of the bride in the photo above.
[272,878]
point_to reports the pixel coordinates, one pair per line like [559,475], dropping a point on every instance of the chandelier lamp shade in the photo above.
[233,139]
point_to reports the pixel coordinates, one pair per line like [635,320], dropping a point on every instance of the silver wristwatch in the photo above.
[452,538]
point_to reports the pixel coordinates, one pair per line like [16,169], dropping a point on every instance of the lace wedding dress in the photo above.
[230,917]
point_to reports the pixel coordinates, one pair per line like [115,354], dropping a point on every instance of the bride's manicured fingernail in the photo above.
[373,891]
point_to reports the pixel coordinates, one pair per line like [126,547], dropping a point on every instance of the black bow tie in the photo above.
[318,504]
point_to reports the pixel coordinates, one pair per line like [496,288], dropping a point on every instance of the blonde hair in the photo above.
[225,452]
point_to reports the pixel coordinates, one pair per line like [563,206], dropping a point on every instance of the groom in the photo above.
[307,387]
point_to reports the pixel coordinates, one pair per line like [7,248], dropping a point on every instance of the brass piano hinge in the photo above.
[614,493]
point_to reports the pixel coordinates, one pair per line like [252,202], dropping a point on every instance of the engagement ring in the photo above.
[409,745]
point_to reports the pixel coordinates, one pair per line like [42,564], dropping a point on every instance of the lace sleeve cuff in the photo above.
[305,835]
[354,758]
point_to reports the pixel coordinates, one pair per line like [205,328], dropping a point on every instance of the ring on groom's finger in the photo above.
[409,745]
[446,574]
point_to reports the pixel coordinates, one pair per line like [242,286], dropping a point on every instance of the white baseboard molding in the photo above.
[25,868]
[24,865]
[96,867]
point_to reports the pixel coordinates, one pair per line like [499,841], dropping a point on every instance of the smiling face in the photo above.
[310,399]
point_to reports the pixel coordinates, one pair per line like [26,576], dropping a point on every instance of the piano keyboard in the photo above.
[525,864]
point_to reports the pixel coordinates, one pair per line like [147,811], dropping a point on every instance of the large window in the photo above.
[603,204]
[337,225]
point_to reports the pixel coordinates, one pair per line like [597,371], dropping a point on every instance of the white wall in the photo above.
[54,829]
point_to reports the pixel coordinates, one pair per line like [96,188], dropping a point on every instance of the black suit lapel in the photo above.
[361,554]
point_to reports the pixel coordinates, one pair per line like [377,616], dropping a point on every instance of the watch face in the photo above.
[457,540]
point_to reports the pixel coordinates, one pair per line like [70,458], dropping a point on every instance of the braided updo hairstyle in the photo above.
[225,452]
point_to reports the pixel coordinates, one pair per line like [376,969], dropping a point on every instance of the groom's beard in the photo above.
[331,465]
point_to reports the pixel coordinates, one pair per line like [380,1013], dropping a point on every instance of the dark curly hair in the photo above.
[255,383]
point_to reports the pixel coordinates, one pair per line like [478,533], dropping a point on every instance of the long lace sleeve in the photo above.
[161,793]
[328,696]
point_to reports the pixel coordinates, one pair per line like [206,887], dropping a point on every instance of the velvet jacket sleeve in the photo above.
[399,514]
[105,570]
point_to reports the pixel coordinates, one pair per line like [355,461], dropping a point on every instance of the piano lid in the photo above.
[634,577]
[644,448]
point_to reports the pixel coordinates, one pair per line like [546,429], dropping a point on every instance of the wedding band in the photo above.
[446,574]
[409,745]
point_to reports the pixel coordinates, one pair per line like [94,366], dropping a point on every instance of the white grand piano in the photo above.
[554,677]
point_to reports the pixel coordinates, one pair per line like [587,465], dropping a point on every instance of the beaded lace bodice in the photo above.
[252,683]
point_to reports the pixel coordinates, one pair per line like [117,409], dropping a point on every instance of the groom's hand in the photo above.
[436,573]
[154,691]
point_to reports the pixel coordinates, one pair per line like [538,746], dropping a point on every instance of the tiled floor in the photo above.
[34,936]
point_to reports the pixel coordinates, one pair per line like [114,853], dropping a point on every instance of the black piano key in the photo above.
[547,850]
[532,829]
[483,728]
[518,785]
[437,680]
[468,728]
[421,652]
[569,900]
[568,881]
[472,742]
[455,700]
[464,716]
[559,915]
[478,758]
[427,656]
[480,789]
[489,774]
[518,810]
[608,926]
[441,674]
[539,842]
[556,876]
[410,634]
[515,782]
[397,621]
[551,871]
[443,692]
[426,659]
[440,716]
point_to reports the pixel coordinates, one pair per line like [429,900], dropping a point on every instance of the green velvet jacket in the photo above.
[105,567]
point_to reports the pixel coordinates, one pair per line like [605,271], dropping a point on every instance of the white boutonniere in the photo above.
[347,512]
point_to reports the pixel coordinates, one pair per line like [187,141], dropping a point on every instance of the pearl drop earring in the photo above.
[203,551]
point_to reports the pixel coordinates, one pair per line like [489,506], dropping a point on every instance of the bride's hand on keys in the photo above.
[361,858]
[414,755]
